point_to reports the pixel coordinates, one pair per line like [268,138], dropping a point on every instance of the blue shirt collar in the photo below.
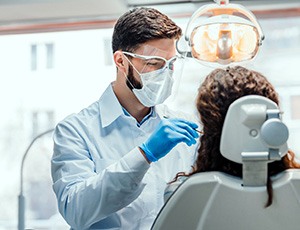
[152,113]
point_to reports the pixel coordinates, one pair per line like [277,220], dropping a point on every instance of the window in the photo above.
[50,55]
[42,56]
[108,57]
[33,57]
[295,107]
[42,121]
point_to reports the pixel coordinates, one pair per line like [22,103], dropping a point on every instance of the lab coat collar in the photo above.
[110,107]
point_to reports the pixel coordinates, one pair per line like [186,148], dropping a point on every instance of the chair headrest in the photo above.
[253,126]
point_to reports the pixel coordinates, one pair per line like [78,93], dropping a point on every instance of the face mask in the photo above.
[157,87]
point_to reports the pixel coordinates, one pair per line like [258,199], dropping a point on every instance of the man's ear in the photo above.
[120,61]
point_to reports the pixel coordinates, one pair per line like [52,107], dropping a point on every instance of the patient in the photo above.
[219,89]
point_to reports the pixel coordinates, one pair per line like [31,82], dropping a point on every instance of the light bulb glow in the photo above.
[224,42]
[224,47]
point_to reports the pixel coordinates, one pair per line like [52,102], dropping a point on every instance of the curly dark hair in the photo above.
[219,89]
[140,25]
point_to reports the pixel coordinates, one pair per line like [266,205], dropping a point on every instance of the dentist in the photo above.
[112,160]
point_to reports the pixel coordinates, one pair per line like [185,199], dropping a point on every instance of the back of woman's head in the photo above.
[222,87]
[219,89]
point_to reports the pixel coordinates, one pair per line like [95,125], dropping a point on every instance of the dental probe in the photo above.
[201,132]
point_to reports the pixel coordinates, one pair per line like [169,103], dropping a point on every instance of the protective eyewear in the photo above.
[153,63]
[230,34]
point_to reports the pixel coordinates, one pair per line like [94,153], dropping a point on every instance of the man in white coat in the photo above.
[113,159]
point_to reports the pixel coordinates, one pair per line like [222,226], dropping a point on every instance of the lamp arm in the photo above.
[21,197]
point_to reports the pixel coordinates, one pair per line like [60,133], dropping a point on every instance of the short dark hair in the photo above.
[140,25]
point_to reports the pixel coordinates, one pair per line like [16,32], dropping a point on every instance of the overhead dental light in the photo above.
[221,33]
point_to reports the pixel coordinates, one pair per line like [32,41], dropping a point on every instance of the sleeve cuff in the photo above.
[136,163]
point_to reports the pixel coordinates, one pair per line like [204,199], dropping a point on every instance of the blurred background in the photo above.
[56,58]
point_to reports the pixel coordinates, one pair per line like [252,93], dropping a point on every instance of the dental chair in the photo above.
[253,135]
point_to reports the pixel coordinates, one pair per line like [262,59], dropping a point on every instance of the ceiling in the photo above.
[22,15]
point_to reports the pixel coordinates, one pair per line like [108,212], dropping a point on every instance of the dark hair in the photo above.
[219,89]
[140,25]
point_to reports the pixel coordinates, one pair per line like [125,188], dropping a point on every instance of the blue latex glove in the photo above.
[167,135]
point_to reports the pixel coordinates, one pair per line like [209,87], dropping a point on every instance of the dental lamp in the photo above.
[21,197]
[221,33]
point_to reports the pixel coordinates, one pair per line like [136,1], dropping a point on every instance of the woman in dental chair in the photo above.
[219,89]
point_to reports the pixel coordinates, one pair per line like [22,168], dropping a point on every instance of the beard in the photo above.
[131,81]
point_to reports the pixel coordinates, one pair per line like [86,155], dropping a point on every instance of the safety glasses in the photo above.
[153,63]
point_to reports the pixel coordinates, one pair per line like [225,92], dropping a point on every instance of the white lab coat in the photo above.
[100,178]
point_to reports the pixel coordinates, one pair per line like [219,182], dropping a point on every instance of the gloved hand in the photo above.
[167,135]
